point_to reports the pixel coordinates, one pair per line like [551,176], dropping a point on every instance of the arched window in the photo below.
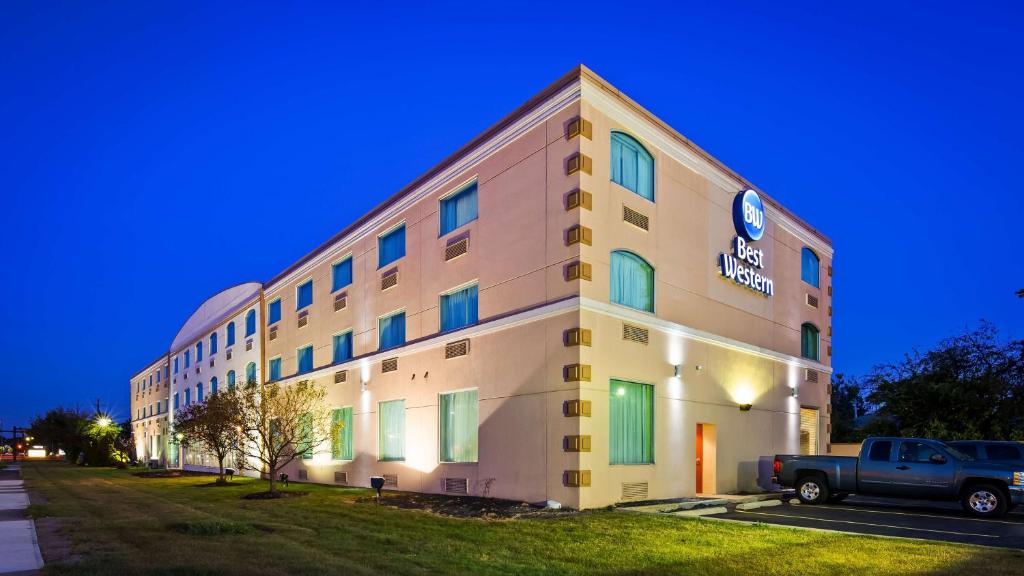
[809,341]
[231,334]
[250,373]
[231,379]
[250,323]
[809,266]
[199,351]
[213,385]
[213,344]
[632,281]
[632,165]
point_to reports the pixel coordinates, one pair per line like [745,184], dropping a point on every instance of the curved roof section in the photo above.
[213,312]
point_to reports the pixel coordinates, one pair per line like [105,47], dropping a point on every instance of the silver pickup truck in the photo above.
[904,468]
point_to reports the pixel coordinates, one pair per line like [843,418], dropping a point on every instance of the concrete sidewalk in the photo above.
[19,550]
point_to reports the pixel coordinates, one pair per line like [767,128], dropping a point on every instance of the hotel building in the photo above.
[579,305]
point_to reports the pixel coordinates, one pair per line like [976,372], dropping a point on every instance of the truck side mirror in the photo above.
[937,459]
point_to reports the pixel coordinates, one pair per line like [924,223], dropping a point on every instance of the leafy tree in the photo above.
[211,426]
[848,406]
[281,423]
[61,429]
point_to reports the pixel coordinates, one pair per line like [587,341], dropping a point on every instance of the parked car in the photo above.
[1011,453]
[905,468]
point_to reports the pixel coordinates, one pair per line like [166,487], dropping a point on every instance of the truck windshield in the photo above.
[956,453]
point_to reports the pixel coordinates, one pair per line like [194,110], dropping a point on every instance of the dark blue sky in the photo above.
[151,155]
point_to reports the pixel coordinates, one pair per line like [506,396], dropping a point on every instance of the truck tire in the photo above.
[812,490]
[984,501]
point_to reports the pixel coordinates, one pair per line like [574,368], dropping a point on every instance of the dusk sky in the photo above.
[153,154]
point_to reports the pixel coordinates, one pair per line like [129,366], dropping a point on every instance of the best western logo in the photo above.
[748,215]
[744,264]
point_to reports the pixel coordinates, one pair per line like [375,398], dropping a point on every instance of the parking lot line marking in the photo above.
[923,515]
[869,524]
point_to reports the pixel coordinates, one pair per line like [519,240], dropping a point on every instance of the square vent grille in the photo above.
[635,334]
[456,248]
[227,353]
[248,344]
[812,301]
[456,485]
[340,301]
[390,480]
[634,490]
[303,474]
[272,333]
[389,365]
[389,280]
[341,477]
[812,375]
[635,218]
[340,376]
[456,349]
[303,318]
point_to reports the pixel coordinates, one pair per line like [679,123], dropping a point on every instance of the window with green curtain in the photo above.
[304,295]
[342,347]
[630,422]
[341,434]
[391,430]
[632,165]
[304,357]
[392,331]
[250,323]
[231,379]
[250,373]
[341,274]
[632,281]
[809,266]
[274,312]
[275,369]
[459,308]
[458,209]
[809,341]
[304,446]
[391,246]
[231,334]
[458,419]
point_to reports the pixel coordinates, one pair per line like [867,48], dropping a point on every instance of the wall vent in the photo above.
[576,337]
[389,280]
[635,218]
[576,478]
[340,301]
[455,485]
[576,443]
[579,235]
[577,271]
[341,477]
[579,199]
[303,318]
[340,376]
[579,163]
[812,301]
[211,362]
[811,375]
[829,289]
[389,365]
[227,354]
[635,333]
[576,372]
[634,490]
[390,480]
[456,248]
[456,349]
[248,344]
[198,369]
[272,333]
[575,408]
[303,474]
[578,127]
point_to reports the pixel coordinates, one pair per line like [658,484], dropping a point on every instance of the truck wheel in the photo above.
[812,490]
[984,500]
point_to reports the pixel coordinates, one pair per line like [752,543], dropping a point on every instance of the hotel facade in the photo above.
[580,305]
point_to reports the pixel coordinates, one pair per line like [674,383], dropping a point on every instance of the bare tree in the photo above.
[282,423]
[211,426]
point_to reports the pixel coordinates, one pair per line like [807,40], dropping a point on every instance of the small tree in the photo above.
[282,423]
[211,426]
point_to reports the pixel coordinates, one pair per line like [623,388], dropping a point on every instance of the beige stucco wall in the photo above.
[146,425]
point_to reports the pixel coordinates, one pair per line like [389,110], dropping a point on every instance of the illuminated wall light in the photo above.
[677,370]
[746,407]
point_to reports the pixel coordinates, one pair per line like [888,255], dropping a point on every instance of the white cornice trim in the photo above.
[484,150]
[656,136]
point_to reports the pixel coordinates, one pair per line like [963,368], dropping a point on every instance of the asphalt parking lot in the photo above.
[943,521]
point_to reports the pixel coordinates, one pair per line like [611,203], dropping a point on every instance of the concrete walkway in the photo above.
[19,550]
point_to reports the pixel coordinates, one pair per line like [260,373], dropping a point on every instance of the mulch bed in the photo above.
[467,506]
[278,495]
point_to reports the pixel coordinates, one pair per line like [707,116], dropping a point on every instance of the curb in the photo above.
[700,511]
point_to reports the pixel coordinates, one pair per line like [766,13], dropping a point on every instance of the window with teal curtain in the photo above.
[231,334]
[809,266]
[213,385]
[304,295]
[391,246]
[250,323]
[458,209]
[391,433]
[341,434]
[274,312]
[199,392]
[631,423]
[275,369]
[342,347]
[304,445]
[632,281]
[305,359]
[341,274]
[809,341]
[392,331]
[458,417]
[250,373]
[187,362]
[176,404]
[459,308]
[231,379]
[213,344]
[632,165]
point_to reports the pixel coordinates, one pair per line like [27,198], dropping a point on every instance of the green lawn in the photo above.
[111,522]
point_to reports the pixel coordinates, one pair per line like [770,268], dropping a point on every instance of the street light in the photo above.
[103,421]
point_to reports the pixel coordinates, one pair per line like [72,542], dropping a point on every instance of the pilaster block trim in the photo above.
[576,372]
[576,337]
[579,163]
[579,126]
[578,234]
[576,478]
[577,271]
[579,199]
[576,443]
[576,408]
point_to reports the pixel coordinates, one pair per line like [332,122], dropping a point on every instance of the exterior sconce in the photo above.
[746,407]
[796,392]
[699,367]
[362,385]
[677,370]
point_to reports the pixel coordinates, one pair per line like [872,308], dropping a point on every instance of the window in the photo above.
[809,267]
[250,373]
[188,396]
[175,364]
[250,323]
[391,433]
[808,431]
[458,209]
[304,294]
[632,165]
[391,246]
[342,347]
[199,392]
[458,418]
[199,352]
[176,404]
[305,446]
[341,274]
[275,369]
[1002,452]
[392,331]
[158,376]
[969,449]
[213,385]
[459,308]
[305,359]
[809,341]
[631,423]
[231,334]
[916,452]
[341,434]
[880,451]
[213,344]
[157,406]
[231,379]
[632,281]
[187,363]
[274,312]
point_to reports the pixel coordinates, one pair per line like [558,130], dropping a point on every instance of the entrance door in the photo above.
[707,454]
[700,458]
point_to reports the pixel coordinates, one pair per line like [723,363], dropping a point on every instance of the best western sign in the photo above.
[743,266]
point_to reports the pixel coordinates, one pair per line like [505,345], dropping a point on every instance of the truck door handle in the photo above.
[903,467]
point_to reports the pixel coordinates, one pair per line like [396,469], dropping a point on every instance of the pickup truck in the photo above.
[905,468]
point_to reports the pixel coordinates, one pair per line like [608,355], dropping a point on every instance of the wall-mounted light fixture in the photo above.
[699,367]
[796,392]
[746,407]
[677,370]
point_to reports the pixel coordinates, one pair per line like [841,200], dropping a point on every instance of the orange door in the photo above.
[700,458]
